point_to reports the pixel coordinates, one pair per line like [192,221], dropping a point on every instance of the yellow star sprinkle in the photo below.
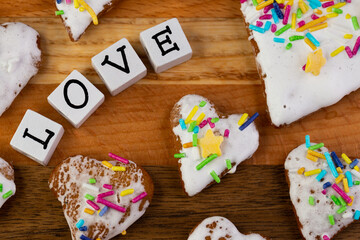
[315,62]
[210,144]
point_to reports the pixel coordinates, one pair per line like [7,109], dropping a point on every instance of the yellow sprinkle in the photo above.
[259,1]
[351,203]
[347,16]
[107,164]
[188,145]
[99,211]
[337,51]
[311,24]
[264,4]
[317,11]
[90,10]
[316,154]
[118,169]
[312,172]
[346,185]
[356,168]
[123,232]
[191,114]
[346,158]
[338,5]
[76,4]
[81,9]
[127,192]
[339,170]
[318,27]
[280,1]
[310,44]
[311,157]
[98,239]
[302,6]
[89,211]
[339,178]
[243,119]
[200,118]
[293,21]
[290,2]
[301,171]
[332,15]
[348,36]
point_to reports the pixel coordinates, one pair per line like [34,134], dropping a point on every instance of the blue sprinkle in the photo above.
[331,165]
[349,178]
[58,1]
[279,40]
[182,124]
[354,163]
[307,141]
[267,25]
[326,185]
[80,223]
[313,39]
[278,10]
[256,28]
[103,211]
[83,237]
[337,160]
[196,129]
[357,215]
[275,17]
[83,228]
[250,120]
[321,175]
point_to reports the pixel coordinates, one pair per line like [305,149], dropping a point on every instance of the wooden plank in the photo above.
[131,8]
[256,199]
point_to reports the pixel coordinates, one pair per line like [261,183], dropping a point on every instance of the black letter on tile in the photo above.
[167,40]
[67,100]
[44,143]
[123,55]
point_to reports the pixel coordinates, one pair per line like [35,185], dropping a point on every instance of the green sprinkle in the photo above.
[214,120]
[356,182]
[355,23]
[282,30]
[331,220]
[57,13]
[1,187]
[296,37]
[288,46]
[92,180]
[195,140]
[299,13]
[192,126]
[179,155]
[8,194]
[317,146]
[341,210]
[311,200]
[342,201]
[337,10]
[255,2]
[90,197]
[202,103]
[206,161]
[228,164]
[215,176]
[335,200]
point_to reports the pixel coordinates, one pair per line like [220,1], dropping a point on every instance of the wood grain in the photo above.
[255,199]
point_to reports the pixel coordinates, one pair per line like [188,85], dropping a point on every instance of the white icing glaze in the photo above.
[78,21]
[239,146]
[19,55]
[314,219]
[7,184]
[286,84]
[222,228]
[112,217]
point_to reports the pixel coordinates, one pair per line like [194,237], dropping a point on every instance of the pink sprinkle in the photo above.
[341,193]
[120,159]
[226,133]
[323,191]
[268,8]
[287,14]
[304,67]
[325,237]
[242,1]
[356,46]
[110,204]
[327,4]
[107,186]
[212,125]
[93,205]
[105,194]
[259,24]
[139,197]
[68,1]
[273,28]
[301,23]
[348,1]
[265,16]
[203,124]
[314,17]
[281,5]
[349,52]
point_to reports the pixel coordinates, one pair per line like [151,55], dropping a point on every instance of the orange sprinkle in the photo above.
[308,42]
[301,171]
[188,145]
[318,27]
[312,23]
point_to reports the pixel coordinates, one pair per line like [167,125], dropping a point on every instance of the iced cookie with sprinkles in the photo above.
[209,144]
[7,184]
[220,228]
[306,52]
[101,199]
[324,190]
[20,59]
[78,15]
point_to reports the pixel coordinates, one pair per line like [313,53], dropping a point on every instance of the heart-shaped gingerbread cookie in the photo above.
[100,199]
[77,15]
[219,228]
[7,185]
[20,59]
[209,144]
[324,190]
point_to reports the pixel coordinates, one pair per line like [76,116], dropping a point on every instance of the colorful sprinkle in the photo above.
[275,17]
[118,158]
[118,169]
[110,205]
[279,40]
[296,37]
[206,161]
[346,185]
[249,121]
[317,146]
[300,171]
[326,185]
[83,237]
[139,197]
[103,211]
[354,163]
[90,11]
[182,124]
[107,164]
[202,104]
[179,155]
[83,228]
[57,13]
[316,154]
[339,178]
[331,165]
[346,158]
[200,118]
[337,51]
[89,211]
[214,120]
[282,30]
[331,220]
[107,186]
[311,157]
[80,223]
[313,39]
[311,24]
[321,175]
[335,200]
[212,125]
[226,133]
[341,210]
[357,215]
[215,176]
[355,23]
[90,197]
[192,126]
[312,172]
[127,192]
[105,194]
[191,114]
[93,205]
[341,193]
[228,164]
[318,27]
[311,200]
[242,119]
[337,160]
[288,46]
[92,180]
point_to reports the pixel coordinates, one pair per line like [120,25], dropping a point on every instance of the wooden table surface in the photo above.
[135,123]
